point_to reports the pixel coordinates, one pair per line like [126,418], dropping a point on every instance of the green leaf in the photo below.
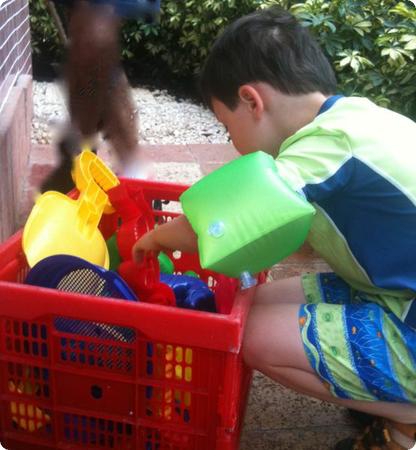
[410,40]
[371,43]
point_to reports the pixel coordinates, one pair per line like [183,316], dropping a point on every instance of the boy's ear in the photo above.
[252,98]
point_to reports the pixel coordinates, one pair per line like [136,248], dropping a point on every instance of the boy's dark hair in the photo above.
[269,46]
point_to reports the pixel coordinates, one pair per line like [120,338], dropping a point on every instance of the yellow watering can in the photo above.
[89,167]
[61,225]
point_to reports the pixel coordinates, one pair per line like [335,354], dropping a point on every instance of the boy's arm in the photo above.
[174,235]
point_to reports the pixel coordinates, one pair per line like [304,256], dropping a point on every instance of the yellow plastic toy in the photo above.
[27,416]
[61,225]
[88,166]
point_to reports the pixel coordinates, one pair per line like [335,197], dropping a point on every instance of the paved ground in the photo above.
[276,418]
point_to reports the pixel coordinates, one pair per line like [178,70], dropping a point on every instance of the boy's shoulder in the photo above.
[356,113]
[353,130]
[352,122]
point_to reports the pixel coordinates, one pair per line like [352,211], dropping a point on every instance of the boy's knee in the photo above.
[272,337]
[253,347]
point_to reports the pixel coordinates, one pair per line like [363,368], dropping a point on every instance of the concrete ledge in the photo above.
[15,123]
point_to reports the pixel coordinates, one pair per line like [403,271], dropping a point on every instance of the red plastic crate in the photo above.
[170,379]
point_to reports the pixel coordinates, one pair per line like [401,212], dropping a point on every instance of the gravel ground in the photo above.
[163,118]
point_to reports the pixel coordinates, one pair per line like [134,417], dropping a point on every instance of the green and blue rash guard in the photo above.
[356,163]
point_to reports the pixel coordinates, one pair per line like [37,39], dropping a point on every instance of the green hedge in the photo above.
[45,40]
[371,43]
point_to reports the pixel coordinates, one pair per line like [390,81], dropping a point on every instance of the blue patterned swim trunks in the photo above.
[359,348]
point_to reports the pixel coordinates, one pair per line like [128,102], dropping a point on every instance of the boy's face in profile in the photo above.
[248,125]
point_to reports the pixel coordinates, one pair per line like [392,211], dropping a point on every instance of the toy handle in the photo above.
[91,205]
[141,278]
[136,218]
[121,200]
[89,169]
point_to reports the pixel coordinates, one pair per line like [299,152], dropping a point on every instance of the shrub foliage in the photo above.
[371,43]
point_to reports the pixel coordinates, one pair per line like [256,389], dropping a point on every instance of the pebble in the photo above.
[163,118]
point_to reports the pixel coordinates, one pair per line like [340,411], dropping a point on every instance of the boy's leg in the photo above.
[287,290]
[273,345]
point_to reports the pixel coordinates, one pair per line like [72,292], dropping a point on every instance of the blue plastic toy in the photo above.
[190,292]
[73,274]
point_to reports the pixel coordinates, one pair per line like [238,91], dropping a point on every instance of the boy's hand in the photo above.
[147,243]
[174,235]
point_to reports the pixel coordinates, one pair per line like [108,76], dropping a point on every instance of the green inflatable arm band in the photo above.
[246,217]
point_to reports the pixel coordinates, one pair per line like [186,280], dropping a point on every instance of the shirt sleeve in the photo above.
[318,165]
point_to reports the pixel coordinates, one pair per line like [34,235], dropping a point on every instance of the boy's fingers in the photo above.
[146,244]
[138,256]
[137,252]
